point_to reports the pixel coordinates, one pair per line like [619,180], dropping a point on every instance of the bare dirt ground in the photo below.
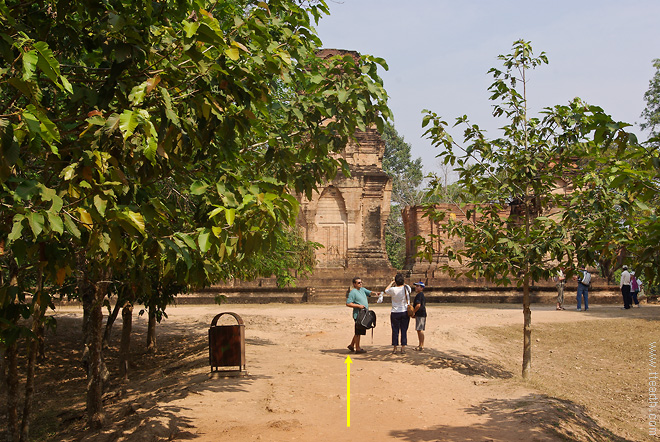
[590,379]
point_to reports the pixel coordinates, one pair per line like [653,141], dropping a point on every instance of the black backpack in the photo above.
[366,318]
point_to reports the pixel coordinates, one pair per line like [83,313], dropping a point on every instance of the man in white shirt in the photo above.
[625,288]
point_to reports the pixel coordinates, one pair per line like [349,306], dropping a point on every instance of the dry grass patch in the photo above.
[601,365]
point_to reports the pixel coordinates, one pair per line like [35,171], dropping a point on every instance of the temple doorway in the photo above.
[331,229]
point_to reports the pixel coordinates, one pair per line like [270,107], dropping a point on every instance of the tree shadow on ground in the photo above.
[164,423]
[468,365]
[646,312]
[139,409]
[542,417]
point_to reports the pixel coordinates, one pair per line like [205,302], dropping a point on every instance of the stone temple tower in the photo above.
[348,215]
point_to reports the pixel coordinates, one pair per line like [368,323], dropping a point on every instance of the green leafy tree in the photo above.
[108,109]
[651,113]
[407,176]
[518,236]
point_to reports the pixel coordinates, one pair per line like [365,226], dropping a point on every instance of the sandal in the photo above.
[418,348]
[350,348]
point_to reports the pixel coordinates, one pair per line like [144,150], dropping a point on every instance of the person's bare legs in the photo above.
[420,336]
[354,342]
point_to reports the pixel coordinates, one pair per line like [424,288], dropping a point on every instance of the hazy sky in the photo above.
[439,53]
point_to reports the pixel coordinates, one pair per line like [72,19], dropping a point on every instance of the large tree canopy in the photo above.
[166,133]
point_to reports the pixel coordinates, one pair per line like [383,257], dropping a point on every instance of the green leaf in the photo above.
[71,226]
[151,149]
[190,28]
[30,60]
[26,189]
[188,240]
[230,214]
[128,121]
[232,53]
[56,224]
[198,188]
[50,66]
[17,228]
[100,204]
[57,204]
[204,240]
[36,221]
[46,128]
[135,219]
[69,172]
[138,93]
[215,211]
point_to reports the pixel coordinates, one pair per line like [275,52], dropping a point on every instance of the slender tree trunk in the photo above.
[125,346]
[86,291]
[527,311]
[11,358]
[41,338]
[33,349]
[151,331]
[111,321]
[3,367]
[527,330]
[95,415]
[12,392]
[29,389]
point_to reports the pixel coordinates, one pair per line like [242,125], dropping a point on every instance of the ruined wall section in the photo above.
[416,223]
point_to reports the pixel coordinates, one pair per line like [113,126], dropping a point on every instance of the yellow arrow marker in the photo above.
[348,363]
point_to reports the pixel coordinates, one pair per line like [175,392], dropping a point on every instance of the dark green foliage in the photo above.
[407,176]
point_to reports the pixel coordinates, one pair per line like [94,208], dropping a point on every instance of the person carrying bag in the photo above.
[400,294]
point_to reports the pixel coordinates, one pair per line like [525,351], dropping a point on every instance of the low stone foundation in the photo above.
[337,295]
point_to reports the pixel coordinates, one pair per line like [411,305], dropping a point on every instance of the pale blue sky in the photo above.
[439,53]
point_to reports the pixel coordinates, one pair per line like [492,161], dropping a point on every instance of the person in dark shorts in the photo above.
[419,305]
[357,300]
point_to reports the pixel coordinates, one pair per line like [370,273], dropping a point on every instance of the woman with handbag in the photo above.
[399,318]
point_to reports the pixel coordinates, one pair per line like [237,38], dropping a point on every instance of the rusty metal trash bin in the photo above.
[227,344]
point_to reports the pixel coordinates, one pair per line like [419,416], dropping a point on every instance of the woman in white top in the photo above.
[399,317]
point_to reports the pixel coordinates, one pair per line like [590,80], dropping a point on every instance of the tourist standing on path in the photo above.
[357,300]
[635,286]
[625,288]
[561,283]
[419,305]
[584,279]
[399,316]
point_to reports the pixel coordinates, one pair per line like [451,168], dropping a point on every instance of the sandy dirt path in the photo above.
[296,387]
